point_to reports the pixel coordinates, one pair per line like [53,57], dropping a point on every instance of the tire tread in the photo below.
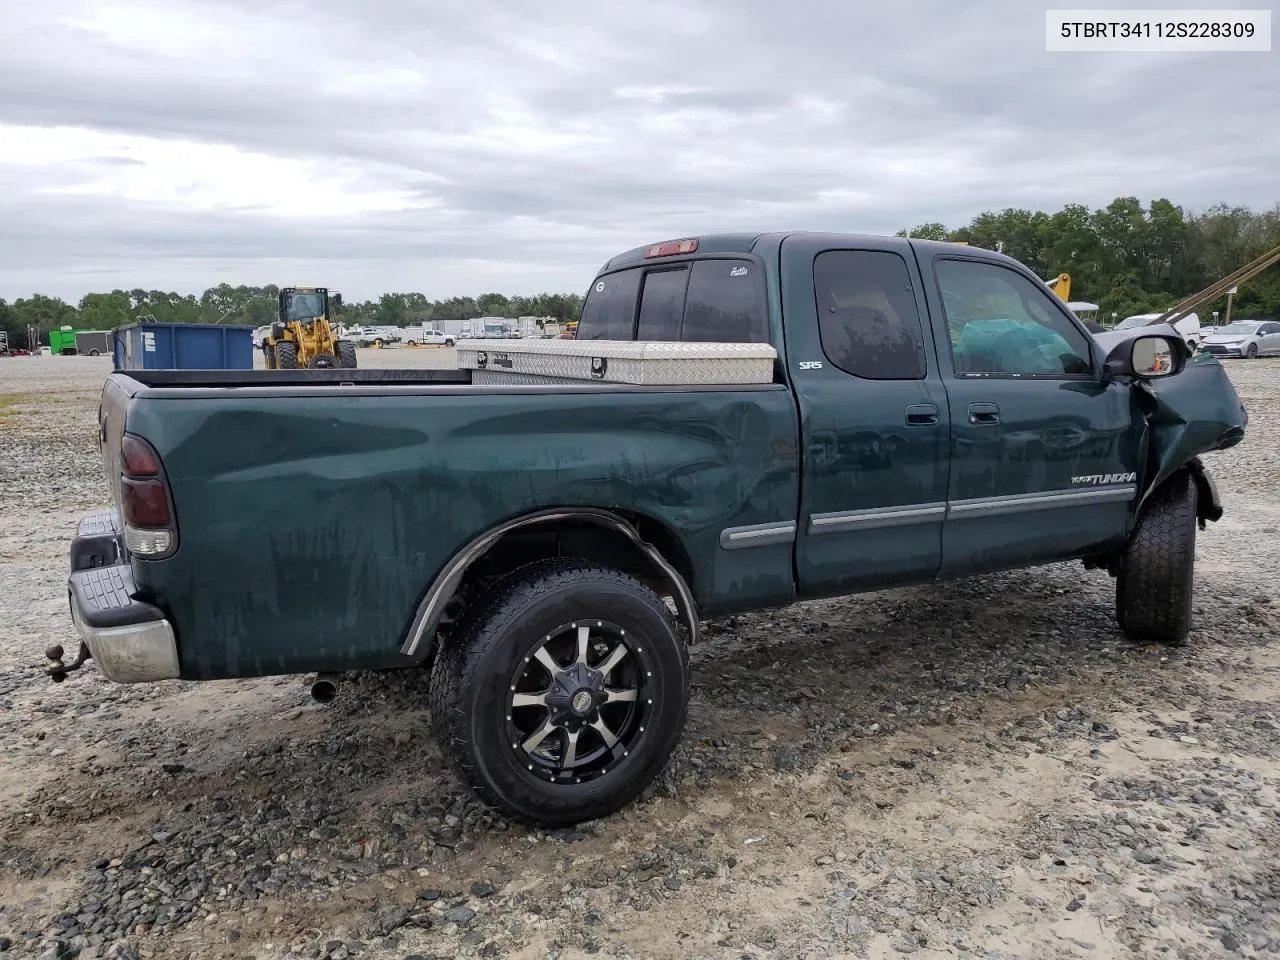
[491,616]
[1155,585]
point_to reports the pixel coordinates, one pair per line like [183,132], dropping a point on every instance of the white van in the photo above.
[1188,326]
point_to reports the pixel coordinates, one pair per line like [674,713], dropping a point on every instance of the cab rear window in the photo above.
[720,300]
[725,303]
[609,312]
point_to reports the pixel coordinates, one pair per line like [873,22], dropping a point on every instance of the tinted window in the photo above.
[610,308]
[1001,322]
[662,304]
[725,303]
[867,315]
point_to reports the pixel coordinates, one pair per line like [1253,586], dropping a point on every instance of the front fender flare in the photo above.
[446,582]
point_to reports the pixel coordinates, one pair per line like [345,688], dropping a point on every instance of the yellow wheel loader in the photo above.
[303,334]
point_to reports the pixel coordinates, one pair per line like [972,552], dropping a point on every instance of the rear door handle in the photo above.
[984,413]
[922,414]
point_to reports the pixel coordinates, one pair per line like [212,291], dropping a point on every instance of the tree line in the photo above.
[1131,259]
[1125,257]
[256,306]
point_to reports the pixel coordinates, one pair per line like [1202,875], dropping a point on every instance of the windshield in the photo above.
[1129,323]
[1241,328]
[304,306]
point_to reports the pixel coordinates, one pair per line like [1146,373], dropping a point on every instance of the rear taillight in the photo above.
[147,507]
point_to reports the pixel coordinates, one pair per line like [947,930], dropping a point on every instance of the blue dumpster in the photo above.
[182,346]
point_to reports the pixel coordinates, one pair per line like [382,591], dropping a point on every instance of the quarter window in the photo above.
[867,316]
[1000,322]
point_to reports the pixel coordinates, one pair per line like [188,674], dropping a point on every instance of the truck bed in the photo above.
[291,378]
[263,383]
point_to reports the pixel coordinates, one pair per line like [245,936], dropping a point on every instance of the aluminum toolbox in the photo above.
[643,362]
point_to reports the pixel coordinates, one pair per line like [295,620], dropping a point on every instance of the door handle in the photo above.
[922,414]
[984,413]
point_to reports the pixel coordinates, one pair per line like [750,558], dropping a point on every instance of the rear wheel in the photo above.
[1251,351]
[563,693]
[286,355]
[1155,585]
[346,354]
[269,356]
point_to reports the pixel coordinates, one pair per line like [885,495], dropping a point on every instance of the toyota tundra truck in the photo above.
[549,550]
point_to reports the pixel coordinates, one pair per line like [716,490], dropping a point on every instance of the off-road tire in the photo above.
[269,356]
[1251,352]
[469,688]
[1155,584]
[346,354]
[286,355]
[323,361]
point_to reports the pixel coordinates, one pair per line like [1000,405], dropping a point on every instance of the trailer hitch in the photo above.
[56,669]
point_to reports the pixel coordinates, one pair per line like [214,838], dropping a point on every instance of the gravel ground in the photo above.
[978,769]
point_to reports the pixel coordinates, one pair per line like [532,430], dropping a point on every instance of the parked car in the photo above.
[373,336]
[1244,338]
[1188,326]
[430,337]
[924,411]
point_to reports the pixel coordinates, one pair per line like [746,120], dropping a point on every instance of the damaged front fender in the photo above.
[1193,412]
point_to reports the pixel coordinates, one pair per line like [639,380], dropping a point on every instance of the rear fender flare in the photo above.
[431,608]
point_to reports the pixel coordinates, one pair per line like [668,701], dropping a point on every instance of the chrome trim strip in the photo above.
[757,535]
[1031,502]
[876,518]
[431,609]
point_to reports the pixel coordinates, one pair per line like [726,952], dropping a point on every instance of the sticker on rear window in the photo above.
[738,272]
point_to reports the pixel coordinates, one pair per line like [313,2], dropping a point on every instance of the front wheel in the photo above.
[286,355]
[448,341]
[346,354]
[1155,584]
[1251,351]
[563,692]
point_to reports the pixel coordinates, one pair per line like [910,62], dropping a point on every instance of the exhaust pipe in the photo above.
[324,687]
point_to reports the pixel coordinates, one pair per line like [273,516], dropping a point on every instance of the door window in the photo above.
[1000,323]
[867,316]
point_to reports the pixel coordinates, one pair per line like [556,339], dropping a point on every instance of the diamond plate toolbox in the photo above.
[645,363]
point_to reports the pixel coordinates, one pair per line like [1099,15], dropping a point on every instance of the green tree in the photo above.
[104,311]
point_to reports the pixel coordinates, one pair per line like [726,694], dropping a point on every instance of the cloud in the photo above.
[455,148]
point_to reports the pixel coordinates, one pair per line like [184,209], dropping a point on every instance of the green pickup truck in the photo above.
[549,550]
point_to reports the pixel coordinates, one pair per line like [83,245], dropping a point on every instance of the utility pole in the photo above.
[1230,296]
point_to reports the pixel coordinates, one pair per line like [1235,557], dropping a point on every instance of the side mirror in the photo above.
[1147,357]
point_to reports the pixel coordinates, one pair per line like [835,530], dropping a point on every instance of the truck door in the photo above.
[873,415]
[1045,451]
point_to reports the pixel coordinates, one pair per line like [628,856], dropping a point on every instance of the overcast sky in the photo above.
[455,148]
